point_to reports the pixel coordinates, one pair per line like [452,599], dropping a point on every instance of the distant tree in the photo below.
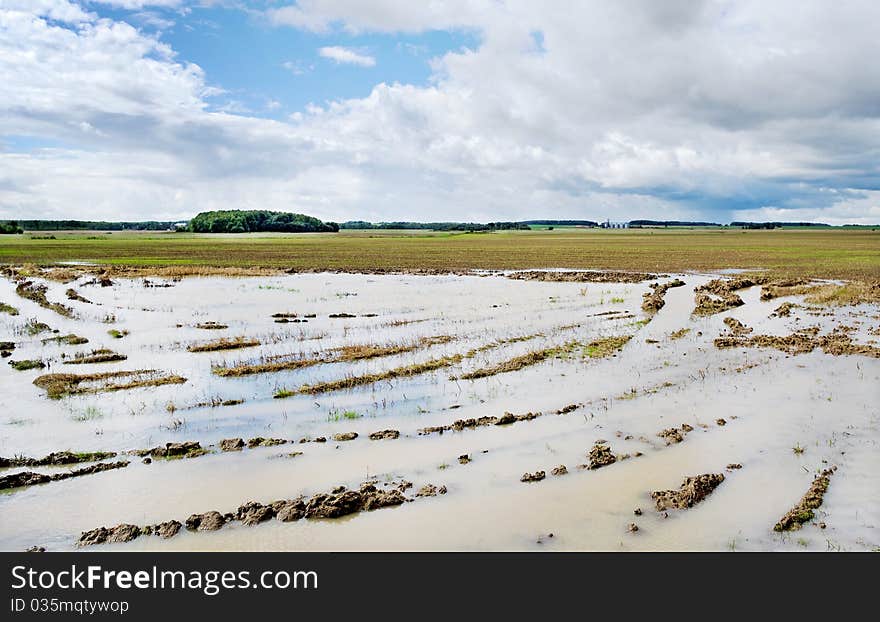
[243,221]
[10,227]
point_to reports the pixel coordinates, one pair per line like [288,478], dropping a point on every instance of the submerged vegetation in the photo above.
[342,354]
[224,343]
[59,385]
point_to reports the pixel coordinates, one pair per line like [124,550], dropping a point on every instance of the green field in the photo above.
[826,253]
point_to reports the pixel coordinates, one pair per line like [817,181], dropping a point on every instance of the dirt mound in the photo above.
[430,490]
[57,458]
[600,456]
[59,385]
[186,449]
[289,510]
[121,533]
[259,441]
[29,478]
[675,435]
[653,300]
[582,276]
[812,499]
[384,434]
[784,310]
[707,305]
[691,492]
[334,505]
[736,327]
[345,436]
[209,521]
[231,444]
[462,424]
[252,513]
[567,409]
[537,476]
[836,343]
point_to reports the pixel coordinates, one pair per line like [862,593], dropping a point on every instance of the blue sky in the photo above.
[274,71]
[474,110]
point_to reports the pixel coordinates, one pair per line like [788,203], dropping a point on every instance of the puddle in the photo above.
[771,403]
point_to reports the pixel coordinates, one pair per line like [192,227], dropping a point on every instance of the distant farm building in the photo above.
[614,225]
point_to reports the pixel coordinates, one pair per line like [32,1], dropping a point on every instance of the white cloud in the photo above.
[346,56]
[712,110]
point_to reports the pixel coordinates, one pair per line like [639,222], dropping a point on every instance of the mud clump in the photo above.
[57,458]
[72,294]
[464,424]
[653,300]
[289,510]
[600,455]
[102,355]
[212,326]
[186,449]
[784,310]
[812,499]
[29,478]
[224,343]
[560,470]
[344,436]
[37,294]
[582,276]
[168,529]
[430,490]
[121,533]
[691,492]
[836,343]
[736,327]
[733,466]
[231,444]
[464,459]
[347,502]
[537,476]
[791,287]
[718,295]
[209,521]
[60,385]
[259,441]
[675,435]
[253,513]
[707,305]
[384,434]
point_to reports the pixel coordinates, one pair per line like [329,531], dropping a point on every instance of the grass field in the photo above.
[851,254]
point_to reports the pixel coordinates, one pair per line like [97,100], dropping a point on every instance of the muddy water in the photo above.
[771,402]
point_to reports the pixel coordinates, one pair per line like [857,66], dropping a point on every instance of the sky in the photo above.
[466,110]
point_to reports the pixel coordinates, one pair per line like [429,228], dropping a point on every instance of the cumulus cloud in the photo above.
[346,56]
[634,109]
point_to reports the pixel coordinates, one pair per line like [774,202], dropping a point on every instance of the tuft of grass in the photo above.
[60,385]
[90,413]
[102,355]
[33,327]
[5,308]
[69,339]
[27,364]
[117,334]
[355,381]
[224,343]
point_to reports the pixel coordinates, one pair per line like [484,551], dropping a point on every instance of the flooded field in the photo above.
[483,411]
